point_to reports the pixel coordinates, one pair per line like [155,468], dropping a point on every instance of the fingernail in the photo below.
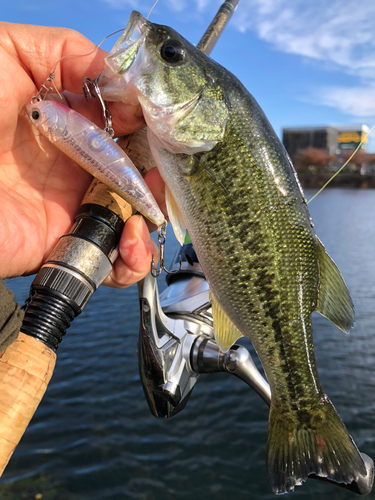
[141,228]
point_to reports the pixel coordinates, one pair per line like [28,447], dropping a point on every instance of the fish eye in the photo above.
[35,114]
[172,51]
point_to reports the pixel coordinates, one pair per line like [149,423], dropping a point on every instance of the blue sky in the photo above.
[307,63]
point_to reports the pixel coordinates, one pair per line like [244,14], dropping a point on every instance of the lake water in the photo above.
[93,436]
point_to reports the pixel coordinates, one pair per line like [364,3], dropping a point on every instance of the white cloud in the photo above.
[340,34]
[335,31]
[355,101]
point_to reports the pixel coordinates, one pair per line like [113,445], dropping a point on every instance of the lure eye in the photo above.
[35,114]
[172,51]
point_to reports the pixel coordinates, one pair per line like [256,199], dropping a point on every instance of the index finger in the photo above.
[39,48]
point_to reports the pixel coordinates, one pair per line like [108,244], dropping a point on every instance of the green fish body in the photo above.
[231,184]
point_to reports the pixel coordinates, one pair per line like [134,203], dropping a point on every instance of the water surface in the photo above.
[93,436]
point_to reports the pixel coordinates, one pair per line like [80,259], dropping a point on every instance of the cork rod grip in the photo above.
[26,368]
[27,365]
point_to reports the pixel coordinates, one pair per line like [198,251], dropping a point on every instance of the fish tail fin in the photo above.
[316,442]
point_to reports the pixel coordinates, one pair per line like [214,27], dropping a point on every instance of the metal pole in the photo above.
[213,32]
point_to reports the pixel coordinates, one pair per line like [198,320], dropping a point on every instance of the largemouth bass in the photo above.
[232,185]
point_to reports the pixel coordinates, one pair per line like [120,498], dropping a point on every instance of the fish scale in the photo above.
[233,187]
[253,252]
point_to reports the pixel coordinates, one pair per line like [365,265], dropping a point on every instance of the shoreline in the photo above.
[343,180]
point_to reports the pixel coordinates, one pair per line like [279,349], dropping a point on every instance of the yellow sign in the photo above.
[352,136]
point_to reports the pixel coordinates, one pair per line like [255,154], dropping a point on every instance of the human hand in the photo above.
[41,188]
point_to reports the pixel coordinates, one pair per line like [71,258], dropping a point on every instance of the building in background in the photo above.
[318,152]
[332,140]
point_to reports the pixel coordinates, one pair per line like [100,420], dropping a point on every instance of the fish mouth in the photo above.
[127,46]
[115,80]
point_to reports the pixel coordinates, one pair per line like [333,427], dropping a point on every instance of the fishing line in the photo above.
[91,52]
[341,168]
[52,75]
[152,8]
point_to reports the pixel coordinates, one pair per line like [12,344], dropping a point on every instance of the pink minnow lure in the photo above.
[95,151]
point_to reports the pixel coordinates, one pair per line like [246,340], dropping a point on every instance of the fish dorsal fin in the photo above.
[225,332]
[175,217]
[334,301]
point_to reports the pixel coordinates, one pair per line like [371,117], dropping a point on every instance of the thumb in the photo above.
[126,118]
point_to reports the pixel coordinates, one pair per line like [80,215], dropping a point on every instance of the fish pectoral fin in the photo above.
[203,124]
[334,300]
[225,332]
[175,217]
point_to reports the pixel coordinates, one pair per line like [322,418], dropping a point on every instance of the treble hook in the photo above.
[161,240]
[91,89]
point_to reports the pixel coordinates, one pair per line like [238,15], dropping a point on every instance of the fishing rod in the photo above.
[214,31]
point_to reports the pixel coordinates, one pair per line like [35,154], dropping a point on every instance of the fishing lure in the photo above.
[95,151]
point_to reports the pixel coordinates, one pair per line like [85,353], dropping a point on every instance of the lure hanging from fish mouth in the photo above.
[92,148]
[92,89]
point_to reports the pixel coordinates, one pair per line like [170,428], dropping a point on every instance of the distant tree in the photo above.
[312,157]
[360,159]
